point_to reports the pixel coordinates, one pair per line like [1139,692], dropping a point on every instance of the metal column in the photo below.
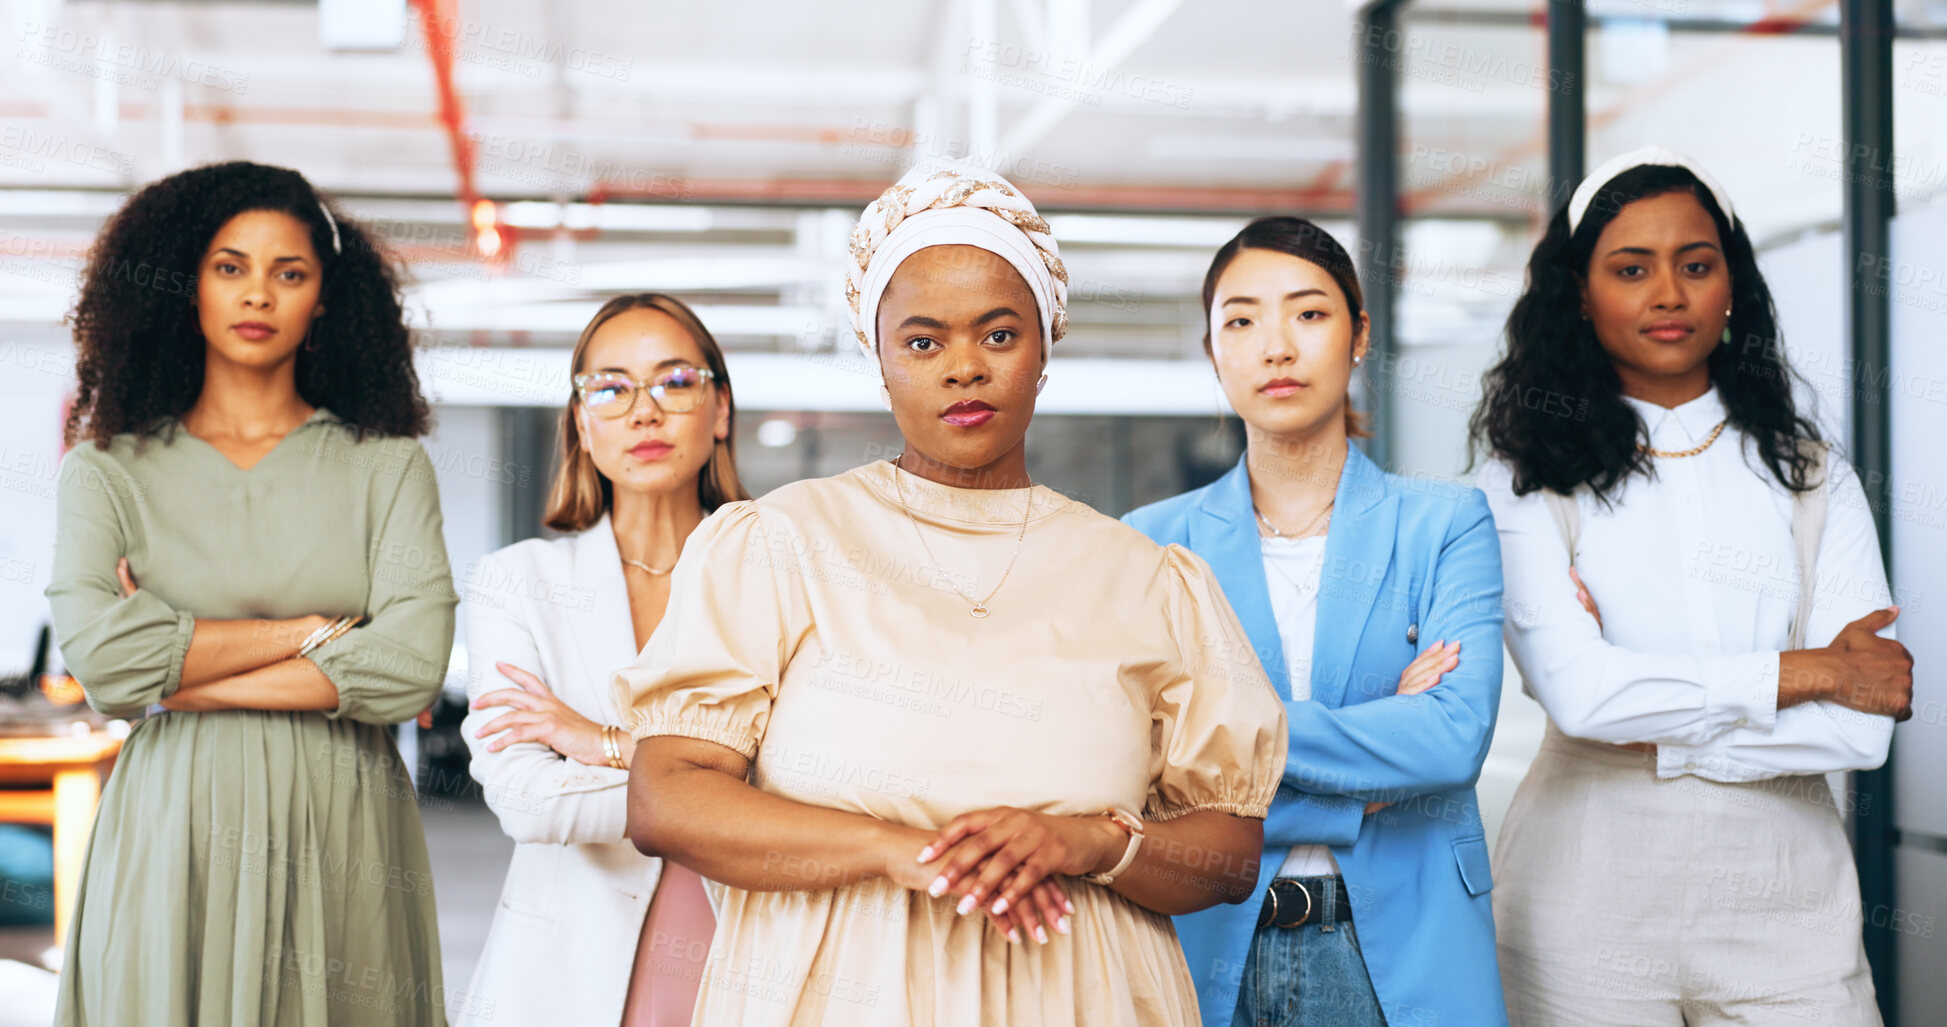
[1568,114]
[1866,98]
[1378,40]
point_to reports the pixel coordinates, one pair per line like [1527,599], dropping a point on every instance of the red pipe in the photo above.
[440,23]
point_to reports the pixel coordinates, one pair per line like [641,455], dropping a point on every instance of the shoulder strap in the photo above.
[1808,526]
[1568,518]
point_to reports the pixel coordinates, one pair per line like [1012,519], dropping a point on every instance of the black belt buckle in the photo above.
[1284,895]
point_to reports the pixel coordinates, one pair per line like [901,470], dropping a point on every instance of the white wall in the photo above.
[1917,281]
[34,378]
[466,454]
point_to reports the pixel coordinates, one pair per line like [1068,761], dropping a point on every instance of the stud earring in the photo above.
[1040,384]
[1727,328]
[885,398]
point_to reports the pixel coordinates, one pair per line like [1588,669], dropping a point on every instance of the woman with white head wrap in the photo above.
[1673,855]
[927,689]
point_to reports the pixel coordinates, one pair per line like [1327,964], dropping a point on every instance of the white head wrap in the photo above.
[1578,204]
[943,205]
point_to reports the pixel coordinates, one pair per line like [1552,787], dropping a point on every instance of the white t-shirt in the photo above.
[1292,568]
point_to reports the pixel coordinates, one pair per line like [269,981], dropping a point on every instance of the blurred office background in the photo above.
[529,160]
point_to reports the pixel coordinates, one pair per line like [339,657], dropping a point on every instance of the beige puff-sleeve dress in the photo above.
[812,632]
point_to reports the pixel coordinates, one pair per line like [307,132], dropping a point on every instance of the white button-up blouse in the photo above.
[1694,573]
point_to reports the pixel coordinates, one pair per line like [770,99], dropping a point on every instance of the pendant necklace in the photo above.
[980,610]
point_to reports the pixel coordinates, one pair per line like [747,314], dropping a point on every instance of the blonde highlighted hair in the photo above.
[580,494]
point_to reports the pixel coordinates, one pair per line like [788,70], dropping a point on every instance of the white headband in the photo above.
[953,206]
[332,223]
[1607,171]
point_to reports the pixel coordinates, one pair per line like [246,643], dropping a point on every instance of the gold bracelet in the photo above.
[321,636]
[311,640]
[615,755]
[338,630]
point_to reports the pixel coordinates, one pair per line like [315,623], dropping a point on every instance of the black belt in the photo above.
[1293,902]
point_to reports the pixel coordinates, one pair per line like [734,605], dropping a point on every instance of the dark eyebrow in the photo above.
[995,313]
[921,321]
[1299,294]
[246,256]
[1647,252]
[671,362]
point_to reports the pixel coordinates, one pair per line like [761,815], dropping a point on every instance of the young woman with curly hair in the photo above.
[1695,596]
[249,547]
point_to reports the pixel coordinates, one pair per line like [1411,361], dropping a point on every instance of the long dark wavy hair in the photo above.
[140,349]
[1553,407]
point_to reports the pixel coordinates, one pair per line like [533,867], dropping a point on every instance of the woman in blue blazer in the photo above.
[1374,603]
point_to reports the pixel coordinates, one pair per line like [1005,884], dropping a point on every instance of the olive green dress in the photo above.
[254,867]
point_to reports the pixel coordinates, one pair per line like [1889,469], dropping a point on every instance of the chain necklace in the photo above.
[1671,454]
[980,610]
[1307,530]
[646,567]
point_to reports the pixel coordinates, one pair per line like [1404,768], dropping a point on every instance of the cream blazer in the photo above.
[564,935]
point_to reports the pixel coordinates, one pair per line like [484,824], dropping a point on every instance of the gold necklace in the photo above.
[980,610]
[1672,454]
[646,567]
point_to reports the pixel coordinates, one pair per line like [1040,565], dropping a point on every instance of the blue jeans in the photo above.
[1307,976]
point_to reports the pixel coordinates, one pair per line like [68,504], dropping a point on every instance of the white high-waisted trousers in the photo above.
[1624,899]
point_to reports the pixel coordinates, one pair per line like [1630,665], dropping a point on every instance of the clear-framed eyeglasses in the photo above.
[611,394]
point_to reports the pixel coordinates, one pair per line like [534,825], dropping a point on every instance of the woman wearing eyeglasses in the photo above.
[588,930]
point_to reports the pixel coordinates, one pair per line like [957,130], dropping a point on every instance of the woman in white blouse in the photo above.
[588,930]
[1674,855]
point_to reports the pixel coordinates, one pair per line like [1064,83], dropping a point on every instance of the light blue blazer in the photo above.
[1402,555]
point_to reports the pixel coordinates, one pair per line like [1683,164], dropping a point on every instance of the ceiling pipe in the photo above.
[439,21]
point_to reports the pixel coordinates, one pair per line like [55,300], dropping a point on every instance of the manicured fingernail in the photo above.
[966,905]
[1062,925]
[1014,936]
[926,854]
[1040,935]
[1069,906]
[938,887]
[1000,906]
